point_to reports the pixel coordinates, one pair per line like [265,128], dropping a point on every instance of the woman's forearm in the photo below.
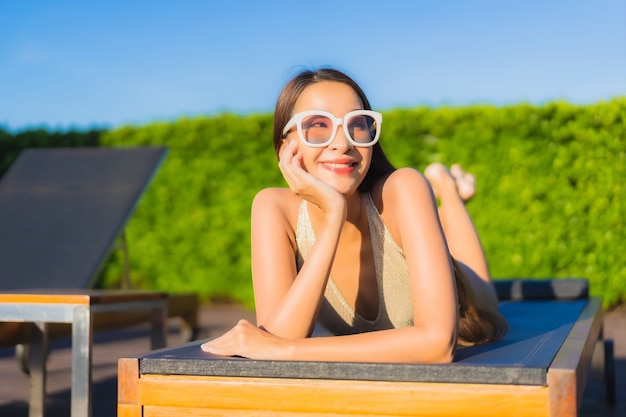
[404,345]
[430,344]
[294,316]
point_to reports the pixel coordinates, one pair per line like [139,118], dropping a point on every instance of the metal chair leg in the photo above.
[609,372]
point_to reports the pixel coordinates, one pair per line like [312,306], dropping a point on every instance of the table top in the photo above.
[78,296]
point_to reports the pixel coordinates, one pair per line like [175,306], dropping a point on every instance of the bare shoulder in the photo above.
[405,194]
[403,184]
[268,196]
[277,204]
[276,197]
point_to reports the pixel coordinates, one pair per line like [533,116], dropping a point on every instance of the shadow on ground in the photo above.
[58,404]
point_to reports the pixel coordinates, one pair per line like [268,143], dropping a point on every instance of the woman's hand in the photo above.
[306,185]
[247,340]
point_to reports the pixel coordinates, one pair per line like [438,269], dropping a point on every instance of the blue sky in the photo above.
[78,64]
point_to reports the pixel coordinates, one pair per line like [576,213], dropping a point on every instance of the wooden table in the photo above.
[538,369]
[76,307]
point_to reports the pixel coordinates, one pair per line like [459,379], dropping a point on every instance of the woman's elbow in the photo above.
[443,353]
[441,347]
[446,356]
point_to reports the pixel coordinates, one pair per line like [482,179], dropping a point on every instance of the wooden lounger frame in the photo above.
[275,388]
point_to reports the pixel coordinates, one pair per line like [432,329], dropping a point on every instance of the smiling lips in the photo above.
[340,167]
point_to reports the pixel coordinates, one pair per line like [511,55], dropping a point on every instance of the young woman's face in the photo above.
[339,164]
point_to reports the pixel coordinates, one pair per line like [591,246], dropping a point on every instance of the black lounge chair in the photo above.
[62,212]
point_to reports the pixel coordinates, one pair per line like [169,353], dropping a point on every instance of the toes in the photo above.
[440,178]
[465,182]
[457,171]
[435,171]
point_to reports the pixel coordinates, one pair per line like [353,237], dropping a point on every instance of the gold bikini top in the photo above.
[395,307]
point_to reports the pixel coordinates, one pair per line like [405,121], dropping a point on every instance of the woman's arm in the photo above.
[287,301]
[410,214]
[404,345]
[413,221]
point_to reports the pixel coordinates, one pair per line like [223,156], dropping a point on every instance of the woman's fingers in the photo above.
[227,343]
[245,339]
[291,167]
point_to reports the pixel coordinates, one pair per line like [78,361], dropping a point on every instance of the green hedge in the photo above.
[551,183]
[191,231]
[550,201]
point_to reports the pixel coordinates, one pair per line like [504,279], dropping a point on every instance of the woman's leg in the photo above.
[453,188]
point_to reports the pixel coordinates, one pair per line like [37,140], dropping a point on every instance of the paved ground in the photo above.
[215,319]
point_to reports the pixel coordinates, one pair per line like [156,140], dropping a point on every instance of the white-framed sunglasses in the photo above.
[318,128]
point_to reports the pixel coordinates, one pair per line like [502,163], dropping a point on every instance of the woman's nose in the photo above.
[341,141]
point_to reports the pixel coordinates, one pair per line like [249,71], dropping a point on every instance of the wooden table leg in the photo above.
[158,338]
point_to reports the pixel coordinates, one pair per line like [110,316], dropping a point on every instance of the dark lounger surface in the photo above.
[62,209]
[537,330]
[542,289]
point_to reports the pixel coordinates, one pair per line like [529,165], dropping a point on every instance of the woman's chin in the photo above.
[345,189]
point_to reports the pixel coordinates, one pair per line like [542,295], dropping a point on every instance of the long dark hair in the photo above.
[476,325]
[380,165]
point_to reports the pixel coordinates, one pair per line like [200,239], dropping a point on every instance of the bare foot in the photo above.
[456,178]
[465,182]
[439,178]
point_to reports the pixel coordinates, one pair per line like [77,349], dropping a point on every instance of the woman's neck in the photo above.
[356,208]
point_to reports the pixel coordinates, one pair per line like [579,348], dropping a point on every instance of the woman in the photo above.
[358,246]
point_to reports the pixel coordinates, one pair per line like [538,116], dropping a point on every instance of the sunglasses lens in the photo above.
[362,128]
[317,128]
